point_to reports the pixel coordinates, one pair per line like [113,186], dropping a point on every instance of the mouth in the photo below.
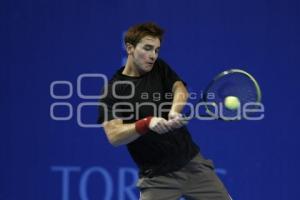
[150,63]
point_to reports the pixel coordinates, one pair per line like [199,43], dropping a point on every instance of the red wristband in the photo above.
[142,126]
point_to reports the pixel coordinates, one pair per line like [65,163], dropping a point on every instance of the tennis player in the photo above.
[143,105]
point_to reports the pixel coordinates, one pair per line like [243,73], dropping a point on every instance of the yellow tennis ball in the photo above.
[232,102]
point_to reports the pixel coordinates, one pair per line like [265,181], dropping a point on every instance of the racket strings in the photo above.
[233,84]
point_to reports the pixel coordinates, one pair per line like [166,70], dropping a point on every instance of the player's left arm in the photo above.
[180,96]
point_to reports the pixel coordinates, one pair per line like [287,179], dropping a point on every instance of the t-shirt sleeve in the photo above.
[169,75]
[105,108]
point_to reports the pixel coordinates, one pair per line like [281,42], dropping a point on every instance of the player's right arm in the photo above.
[119,133]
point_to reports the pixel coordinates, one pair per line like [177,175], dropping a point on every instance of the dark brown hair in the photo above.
[137,32]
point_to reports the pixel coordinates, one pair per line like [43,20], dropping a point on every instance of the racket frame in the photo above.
[225,73]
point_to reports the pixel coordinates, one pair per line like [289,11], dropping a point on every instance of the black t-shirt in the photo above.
[133,98]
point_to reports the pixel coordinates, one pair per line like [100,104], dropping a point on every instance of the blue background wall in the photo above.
[47,41]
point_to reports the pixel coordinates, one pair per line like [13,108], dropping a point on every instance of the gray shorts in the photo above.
[195,181]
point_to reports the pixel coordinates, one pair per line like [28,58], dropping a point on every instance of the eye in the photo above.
[147,48]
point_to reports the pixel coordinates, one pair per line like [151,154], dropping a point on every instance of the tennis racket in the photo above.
[228,96]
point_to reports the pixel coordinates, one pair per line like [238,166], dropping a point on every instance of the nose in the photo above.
[153,55]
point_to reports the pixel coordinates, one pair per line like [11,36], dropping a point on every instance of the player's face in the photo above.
[145,53]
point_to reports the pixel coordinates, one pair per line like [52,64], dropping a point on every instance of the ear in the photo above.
[129,48]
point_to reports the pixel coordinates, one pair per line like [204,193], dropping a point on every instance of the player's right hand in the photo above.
[159,125]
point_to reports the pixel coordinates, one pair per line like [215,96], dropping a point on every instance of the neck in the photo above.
[131,70]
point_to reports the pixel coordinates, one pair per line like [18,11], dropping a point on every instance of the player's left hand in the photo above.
[176,120]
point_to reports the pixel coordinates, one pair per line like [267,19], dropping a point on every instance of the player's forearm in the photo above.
[180,96]
[119,133]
